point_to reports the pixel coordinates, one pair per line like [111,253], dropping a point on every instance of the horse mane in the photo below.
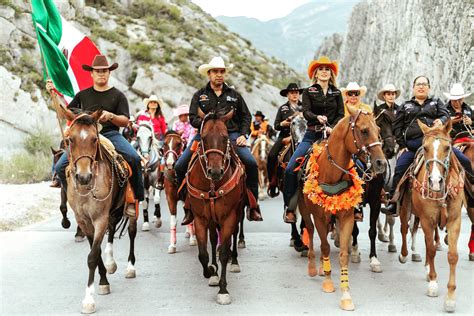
[85,119]
[171,132]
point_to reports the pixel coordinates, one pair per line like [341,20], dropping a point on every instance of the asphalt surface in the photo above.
[44,271]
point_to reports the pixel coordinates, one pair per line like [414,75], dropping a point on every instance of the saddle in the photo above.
[411,172]
[282,155]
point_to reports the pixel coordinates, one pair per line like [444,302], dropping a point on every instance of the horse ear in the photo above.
[228,116]
[423,126]
[376,109]
[448,126]
[201,113]
[97,114]
[54,151]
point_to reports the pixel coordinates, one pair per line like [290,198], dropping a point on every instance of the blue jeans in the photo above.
[129,154]
[290,181]
[251,168]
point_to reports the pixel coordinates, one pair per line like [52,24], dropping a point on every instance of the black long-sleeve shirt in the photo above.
[405,125]
[284,112]
[316,103]
[465,111]
[207,100]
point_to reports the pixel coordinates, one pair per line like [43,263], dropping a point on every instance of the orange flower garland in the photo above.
[331,203]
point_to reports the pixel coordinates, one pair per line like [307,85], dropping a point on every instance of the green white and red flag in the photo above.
[64,49]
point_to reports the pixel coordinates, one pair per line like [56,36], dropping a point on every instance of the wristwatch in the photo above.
[112,117]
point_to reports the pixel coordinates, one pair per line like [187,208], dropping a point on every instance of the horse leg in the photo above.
[374,203]
[65,222]
[391,245]
[201,227]
[241,243]
[428,229]
[192,235]
[404,230]
[110,263]
[234,265]
[312,269]
[130,272]
[325,269]
[145,204]
[439,247]
[214,280]
[470,213]
[355,253]
[454,227]
[79,236]
[346,223]
[157,212]
[415,256]
[223,297]
[382,230]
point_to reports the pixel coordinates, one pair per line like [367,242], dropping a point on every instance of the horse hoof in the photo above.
[131,274]
[292,242]
[449,305]
[241,244]
[88,308]
[79,238]
[321,271]
[392,248]
[383,237]
[193,241]
[328,286]
[65,223]
[111,267]
[347,305]
[415,257]
[375,265]
[214,280]
[187,235]
[471,256]
[145,227]
[432,289]
[304,253]
[158,222]
[355,258]
[234,268]
[402,259]
[171,249]
[312,270]
[104,289]
[223,299]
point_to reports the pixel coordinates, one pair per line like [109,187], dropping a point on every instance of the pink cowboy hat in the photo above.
[180,110]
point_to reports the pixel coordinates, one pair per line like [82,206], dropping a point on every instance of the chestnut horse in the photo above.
[172,149]
[97,198]
[216,186]
[260,149]
[358,135]
[434,196]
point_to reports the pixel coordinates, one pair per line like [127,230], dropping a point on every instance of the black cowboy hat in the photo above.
[291,87]
[259,113]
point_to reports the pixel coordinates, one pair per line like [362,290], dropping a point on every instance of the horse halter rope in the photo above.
[225,156]
[365,149]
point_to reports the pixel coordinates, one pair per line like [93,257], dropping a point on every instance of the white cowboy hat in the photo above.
[388,87]
[215,63]
[180,110]
[457,92]
[152,97]
[354,86]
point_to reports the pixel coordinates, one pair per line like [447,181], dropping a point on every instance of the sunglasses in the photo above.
[353,93]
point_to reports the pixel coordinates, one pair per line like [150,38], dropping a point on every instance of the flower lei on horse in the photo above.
[331,203]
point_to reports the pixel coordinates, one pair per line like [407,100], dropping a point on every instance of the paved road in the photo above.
[43,271]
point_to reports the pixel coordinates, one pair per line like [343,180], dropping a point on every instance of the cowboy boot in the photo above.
[289,216]
[254,214]
[188,217]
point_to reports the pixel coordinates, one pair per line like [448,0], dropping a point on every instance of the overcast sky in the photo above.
[263,10]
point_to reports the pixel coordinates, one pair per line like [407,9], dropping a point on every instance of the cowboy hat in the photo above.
[154,98]
[354,86]
[291,87]
[100,62]
[215,63]
[259,113]
[183,109]
[323,60]
[457,92]
[388,87]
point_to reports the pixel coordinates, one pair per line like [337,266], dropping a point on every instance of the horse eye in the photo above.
[365,131]
[95,139]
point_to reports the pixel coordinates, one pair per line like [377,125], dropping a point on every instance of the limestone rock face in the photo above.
[393,41]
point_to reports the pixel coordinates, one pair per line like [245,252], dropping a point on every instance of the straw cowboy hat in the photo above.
[388,87]
[457,92]
[152,97]
[100,62]
[215,63]
[323,60]
[354,86]
[291,87]
[183,109]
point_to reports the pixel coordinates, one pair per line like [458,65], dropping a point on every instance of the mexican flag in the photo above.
[64,49]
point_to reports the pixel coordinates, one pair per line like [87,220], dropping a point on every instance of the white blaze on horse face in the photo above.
[83,134]
[170,157]
[435,175]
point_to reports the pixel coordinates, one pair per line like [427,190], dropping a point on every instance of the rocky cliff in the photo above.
[397,40]
[158,44]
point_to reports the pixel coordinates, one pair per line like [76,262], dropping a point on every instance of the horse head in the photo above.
[84,146]
[298,128]
[215,143]
[437,152]
[145,138]
[364,142]
[173,147]
[384,120]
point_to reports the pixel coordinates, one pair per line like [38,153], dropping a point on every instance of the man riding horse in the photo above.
[282,123]
[259,126]
[215,96]
[115,114]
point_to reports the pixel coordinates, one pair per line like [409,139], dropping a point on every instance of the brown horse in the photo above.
[435,195]
[173,147]
[95,195]
[216,184]
[260,149]
[356,134]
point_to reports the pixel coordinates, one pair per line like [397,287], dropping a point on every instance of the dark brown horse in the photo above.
[172,149]
[95,195]
[216,186]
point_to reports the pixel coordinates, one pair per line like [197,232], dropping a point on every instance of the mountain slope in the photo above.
[295,37]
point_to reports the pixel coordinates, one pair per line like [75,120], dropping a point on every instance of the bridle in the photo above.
[361,150]
[150,142]
[171,150]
